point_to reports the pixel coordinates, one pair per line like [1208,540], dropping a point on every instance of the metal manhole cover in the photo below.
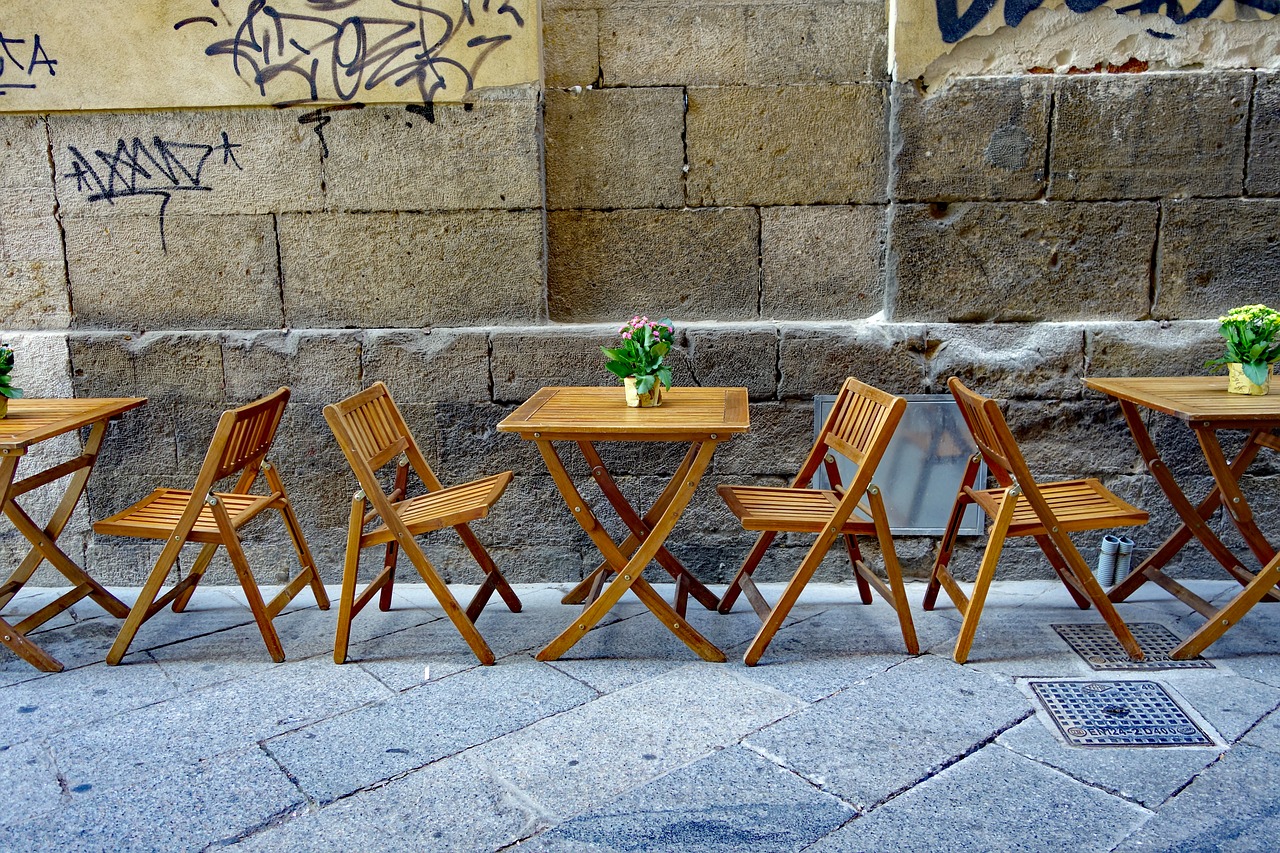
[1118,713]
[1099,648]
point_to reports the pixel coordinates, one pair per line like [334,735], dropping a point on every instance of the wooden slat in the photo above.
[686,414]
[1194,398]
[32,420]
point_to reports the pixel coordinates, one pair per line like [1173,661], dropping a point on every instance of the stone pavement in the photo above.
[837,741]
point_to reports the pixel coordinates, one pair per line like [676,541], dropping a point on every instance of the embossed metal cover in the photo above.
[1099,648]
[1118,713]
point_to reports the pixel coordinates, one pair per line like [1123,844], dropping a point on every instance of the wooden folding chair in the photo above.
[1022,507]
[859,427]
[240,445]
[371,432]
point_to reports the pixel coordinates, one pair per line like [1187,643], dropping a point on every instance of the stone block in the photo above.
[169,366]
[823,263]
[524,361]
[1217,254]
[1068,439]
[241,161]
[780,438]
[570,47]
[793,145]
[482,155]
[33,271]
[977,140]
[1262,175]
[816,43]
[177,272]
[424,366]
[411,270]
[673,46]
[25,174]
[615,148]
[1008,360]
[817,360]
[686,265]
[1145,135]
[727,356]
[1021,262]
[319,367]
[41,363]
[461,441]
[1150,348]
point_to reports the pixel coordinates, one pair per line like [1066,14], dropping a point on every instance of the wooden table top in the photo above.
[587,414]
[1194,398]
[33,420]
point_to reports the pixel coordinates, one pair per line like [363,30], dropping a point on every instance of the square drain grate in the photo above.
[1099,648]
[1118,713]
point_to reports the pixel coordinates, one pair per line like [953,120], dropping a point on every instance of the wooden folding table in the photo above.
[703,417]
[28,423]
[1205,405]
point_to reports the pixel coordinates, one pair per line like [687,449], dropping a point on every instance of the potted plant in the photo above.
[1251,332]
[638,361]
[7,391]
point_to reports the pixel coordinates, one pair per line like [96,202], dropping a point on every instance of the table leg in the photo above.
[1230,614]
[1229,487]
[686,583]
[628,571]
[1194,518]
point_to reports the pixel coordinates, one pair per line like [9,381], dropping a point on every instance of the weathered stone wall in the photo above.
[747,169]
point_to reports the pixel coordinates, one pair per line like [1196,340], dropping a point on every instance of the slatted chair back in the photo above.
[243,437]
[990,432]
[859,428]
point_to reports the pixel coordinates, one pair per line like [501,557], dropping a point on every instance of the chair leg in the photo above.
[986,571]
[350,572]
[490,568]
[763,541]
[198,568]
[788,598]
[392,554]
[1064,572]
[855,557]
[1098,596]
[459,619]
[893,571]
[294,528]
[940,574]
[142,607]
[247,581]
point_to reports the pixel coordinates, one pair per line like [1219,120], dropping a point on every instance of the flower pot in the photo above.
[643,401]
[1239,383]
[4,406]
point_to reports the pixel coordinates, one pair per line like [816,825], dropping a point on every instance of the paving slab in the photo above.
[583,758]
[731,800]
[368,745]
[992,800]
[890,730]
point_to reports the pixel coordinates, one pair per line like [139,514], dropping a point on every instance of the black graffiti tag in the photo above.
[18,62]
[339,55]
[157,169]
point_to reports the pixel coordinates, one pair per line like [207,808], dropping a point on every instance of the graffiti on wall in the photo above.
[954,25]
[127,54]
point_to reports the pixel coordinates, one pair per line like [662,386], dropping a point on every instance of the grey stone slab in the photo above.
[35,294]
[992,800]
[796,145]
[672,46]
[731,800]
[817,359]
[1216,254]
[449,805]
[823,262]
[980,139]
[1008,360]
[1148,135]
[318,367]
[197,725]
[419,726]
[1021,262]
[30,779]
[184,808]
[570,47]
[895,745]
[587,756]
[826,648]
[1266,734]
[817,43]
[1229,807]
[75,699]
[1262,176]
[1147,348]
[725,356]
[425,366]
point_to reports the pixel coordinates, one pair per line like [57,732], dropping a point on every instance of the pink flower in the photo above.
[627,335]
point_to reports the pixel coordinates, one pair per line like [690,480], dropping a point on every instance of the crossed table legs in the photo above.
[648,533]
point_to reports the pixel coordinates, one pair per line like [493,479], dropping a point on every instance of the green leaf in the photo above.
[644,384]
[665,375]
[1256,371]
[619,369]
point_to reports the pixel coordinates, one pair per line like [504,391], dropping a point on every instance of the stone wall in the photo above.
[747,169]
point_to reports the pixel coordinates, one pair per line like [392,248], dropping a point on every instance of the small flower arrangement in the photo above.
[7,390]
[644,343]
[1251,332]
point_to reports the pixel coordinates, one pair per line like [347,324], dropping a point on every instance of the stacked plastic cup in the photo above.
[1107,558]
[1124,558]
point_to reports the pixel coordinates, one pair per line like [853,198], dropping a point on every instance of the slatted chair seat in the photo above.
[372,434]
[859,427]
[1022,506]
[446,508]
[200,515]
